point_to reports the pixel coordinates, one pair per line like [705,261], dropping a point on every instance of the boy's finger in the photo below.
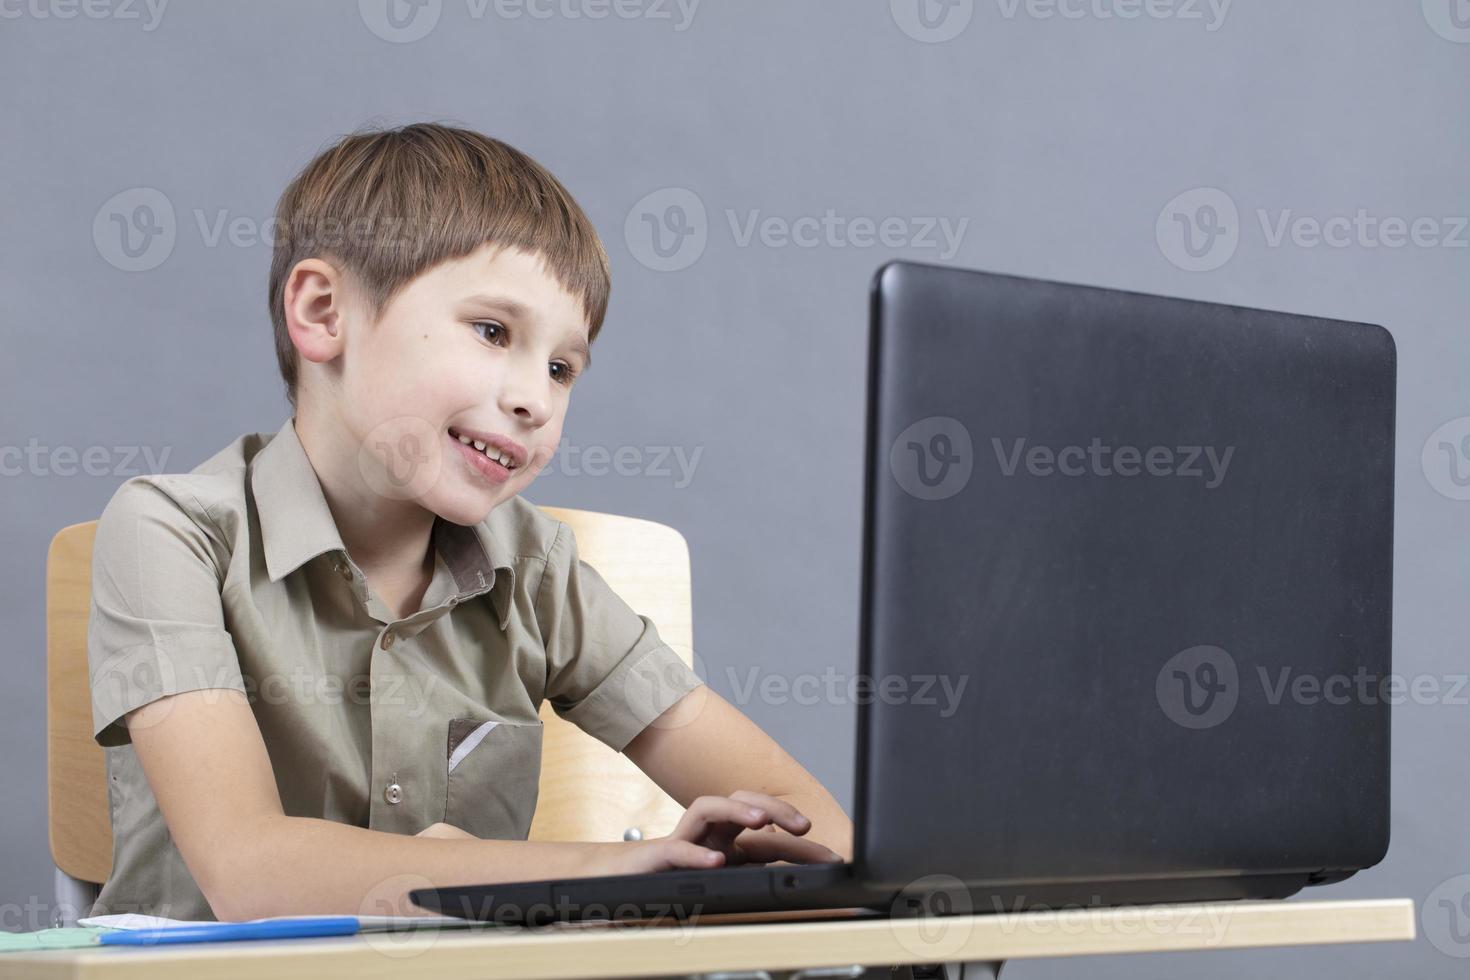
[765,848]
[714,814]
[783,814]
[687,854]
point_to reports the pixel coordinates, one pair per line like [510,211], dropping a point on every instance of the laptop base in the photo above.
[688,896]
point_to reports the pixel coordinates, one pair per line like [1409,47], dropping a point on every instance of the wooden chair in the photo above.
[587,791]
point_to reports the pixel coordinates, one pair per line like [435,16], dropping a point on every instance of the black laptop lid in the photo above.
[1146,543]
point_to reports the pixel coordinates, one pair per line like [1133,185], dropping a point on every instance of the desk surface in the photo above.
[623,950]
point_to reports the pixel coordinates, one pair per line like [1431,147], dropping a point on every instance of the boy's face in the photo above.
[484,347]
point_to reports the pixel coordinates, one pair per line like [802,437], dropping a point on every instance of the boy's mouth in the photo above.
[505,456]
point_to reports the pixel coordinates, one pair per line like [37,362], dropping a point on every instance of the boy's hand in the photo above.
[742,828]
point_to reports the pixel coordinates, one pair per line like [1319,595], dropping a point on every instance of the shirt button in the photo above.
[344,570]
[388,637]
[394,793]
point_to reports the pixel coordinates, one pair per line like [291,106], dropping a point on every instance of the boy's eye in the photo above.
[494,331]
[498,327]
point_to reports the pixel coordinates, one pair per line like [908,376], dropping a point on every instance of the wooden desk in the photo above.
[622,950]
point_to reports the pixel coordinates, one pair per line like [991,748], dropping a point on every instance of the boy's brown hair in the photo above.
[389,204]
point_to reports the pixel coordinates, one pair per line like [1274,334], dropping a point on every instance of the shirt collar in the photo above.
[296,525]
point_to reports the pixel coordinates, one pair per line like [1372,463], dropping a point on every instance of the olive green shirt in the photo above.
[234,576]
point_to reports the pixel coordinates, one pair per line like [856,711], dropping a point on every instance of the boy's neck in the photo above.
[391,537]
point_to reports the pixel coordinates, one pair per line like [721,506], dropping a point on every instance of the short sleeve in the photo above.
[607,669]
[156,623]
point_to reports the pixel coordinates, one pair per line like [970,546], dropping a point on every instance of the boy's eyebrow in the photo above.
[581,348]
[520,311]
[512,306]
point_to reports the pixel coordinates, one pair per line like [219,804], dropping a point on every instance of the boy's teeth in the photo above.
[493,454]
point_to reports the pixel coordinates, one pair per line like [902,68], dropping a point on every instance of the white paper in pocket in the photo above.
[470,741]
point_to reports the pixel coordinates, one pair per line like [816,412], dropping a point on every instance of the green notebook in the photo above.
[68,937]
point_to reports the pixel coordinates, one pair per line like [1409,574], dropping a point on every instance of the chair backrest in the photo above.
[587,791]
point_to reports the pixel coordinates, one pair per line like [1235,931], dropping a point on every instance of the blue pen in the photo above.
[333,925]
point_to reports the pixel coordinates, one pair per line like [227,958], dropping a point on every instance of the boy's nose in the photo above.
[525,402]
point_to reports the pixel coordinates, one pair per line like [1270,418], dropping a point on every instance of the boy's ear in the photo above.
[315,300]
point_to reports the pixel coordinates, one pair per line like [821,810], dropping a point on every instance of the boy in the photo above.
[434,293]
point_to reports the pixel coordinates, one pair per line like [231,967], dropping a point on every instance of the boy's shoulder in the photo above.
[216,492]
[212,486]
[527,530]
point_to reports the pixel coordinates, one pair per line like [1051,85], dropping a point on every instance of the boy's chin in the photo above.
[469,508]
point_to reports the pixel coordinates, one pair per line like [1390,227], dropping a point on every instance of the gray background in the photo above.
[1061,140]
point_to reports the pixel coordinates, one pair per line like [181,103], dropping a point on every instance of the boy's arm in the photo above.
[210,772]
[705,746]
[611,674]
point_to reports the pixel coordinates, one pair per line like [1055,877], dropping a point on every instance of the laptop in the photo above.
[1127,563]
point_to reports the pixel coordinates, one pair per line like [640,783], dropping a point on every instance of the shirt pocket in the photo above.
[493,776]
